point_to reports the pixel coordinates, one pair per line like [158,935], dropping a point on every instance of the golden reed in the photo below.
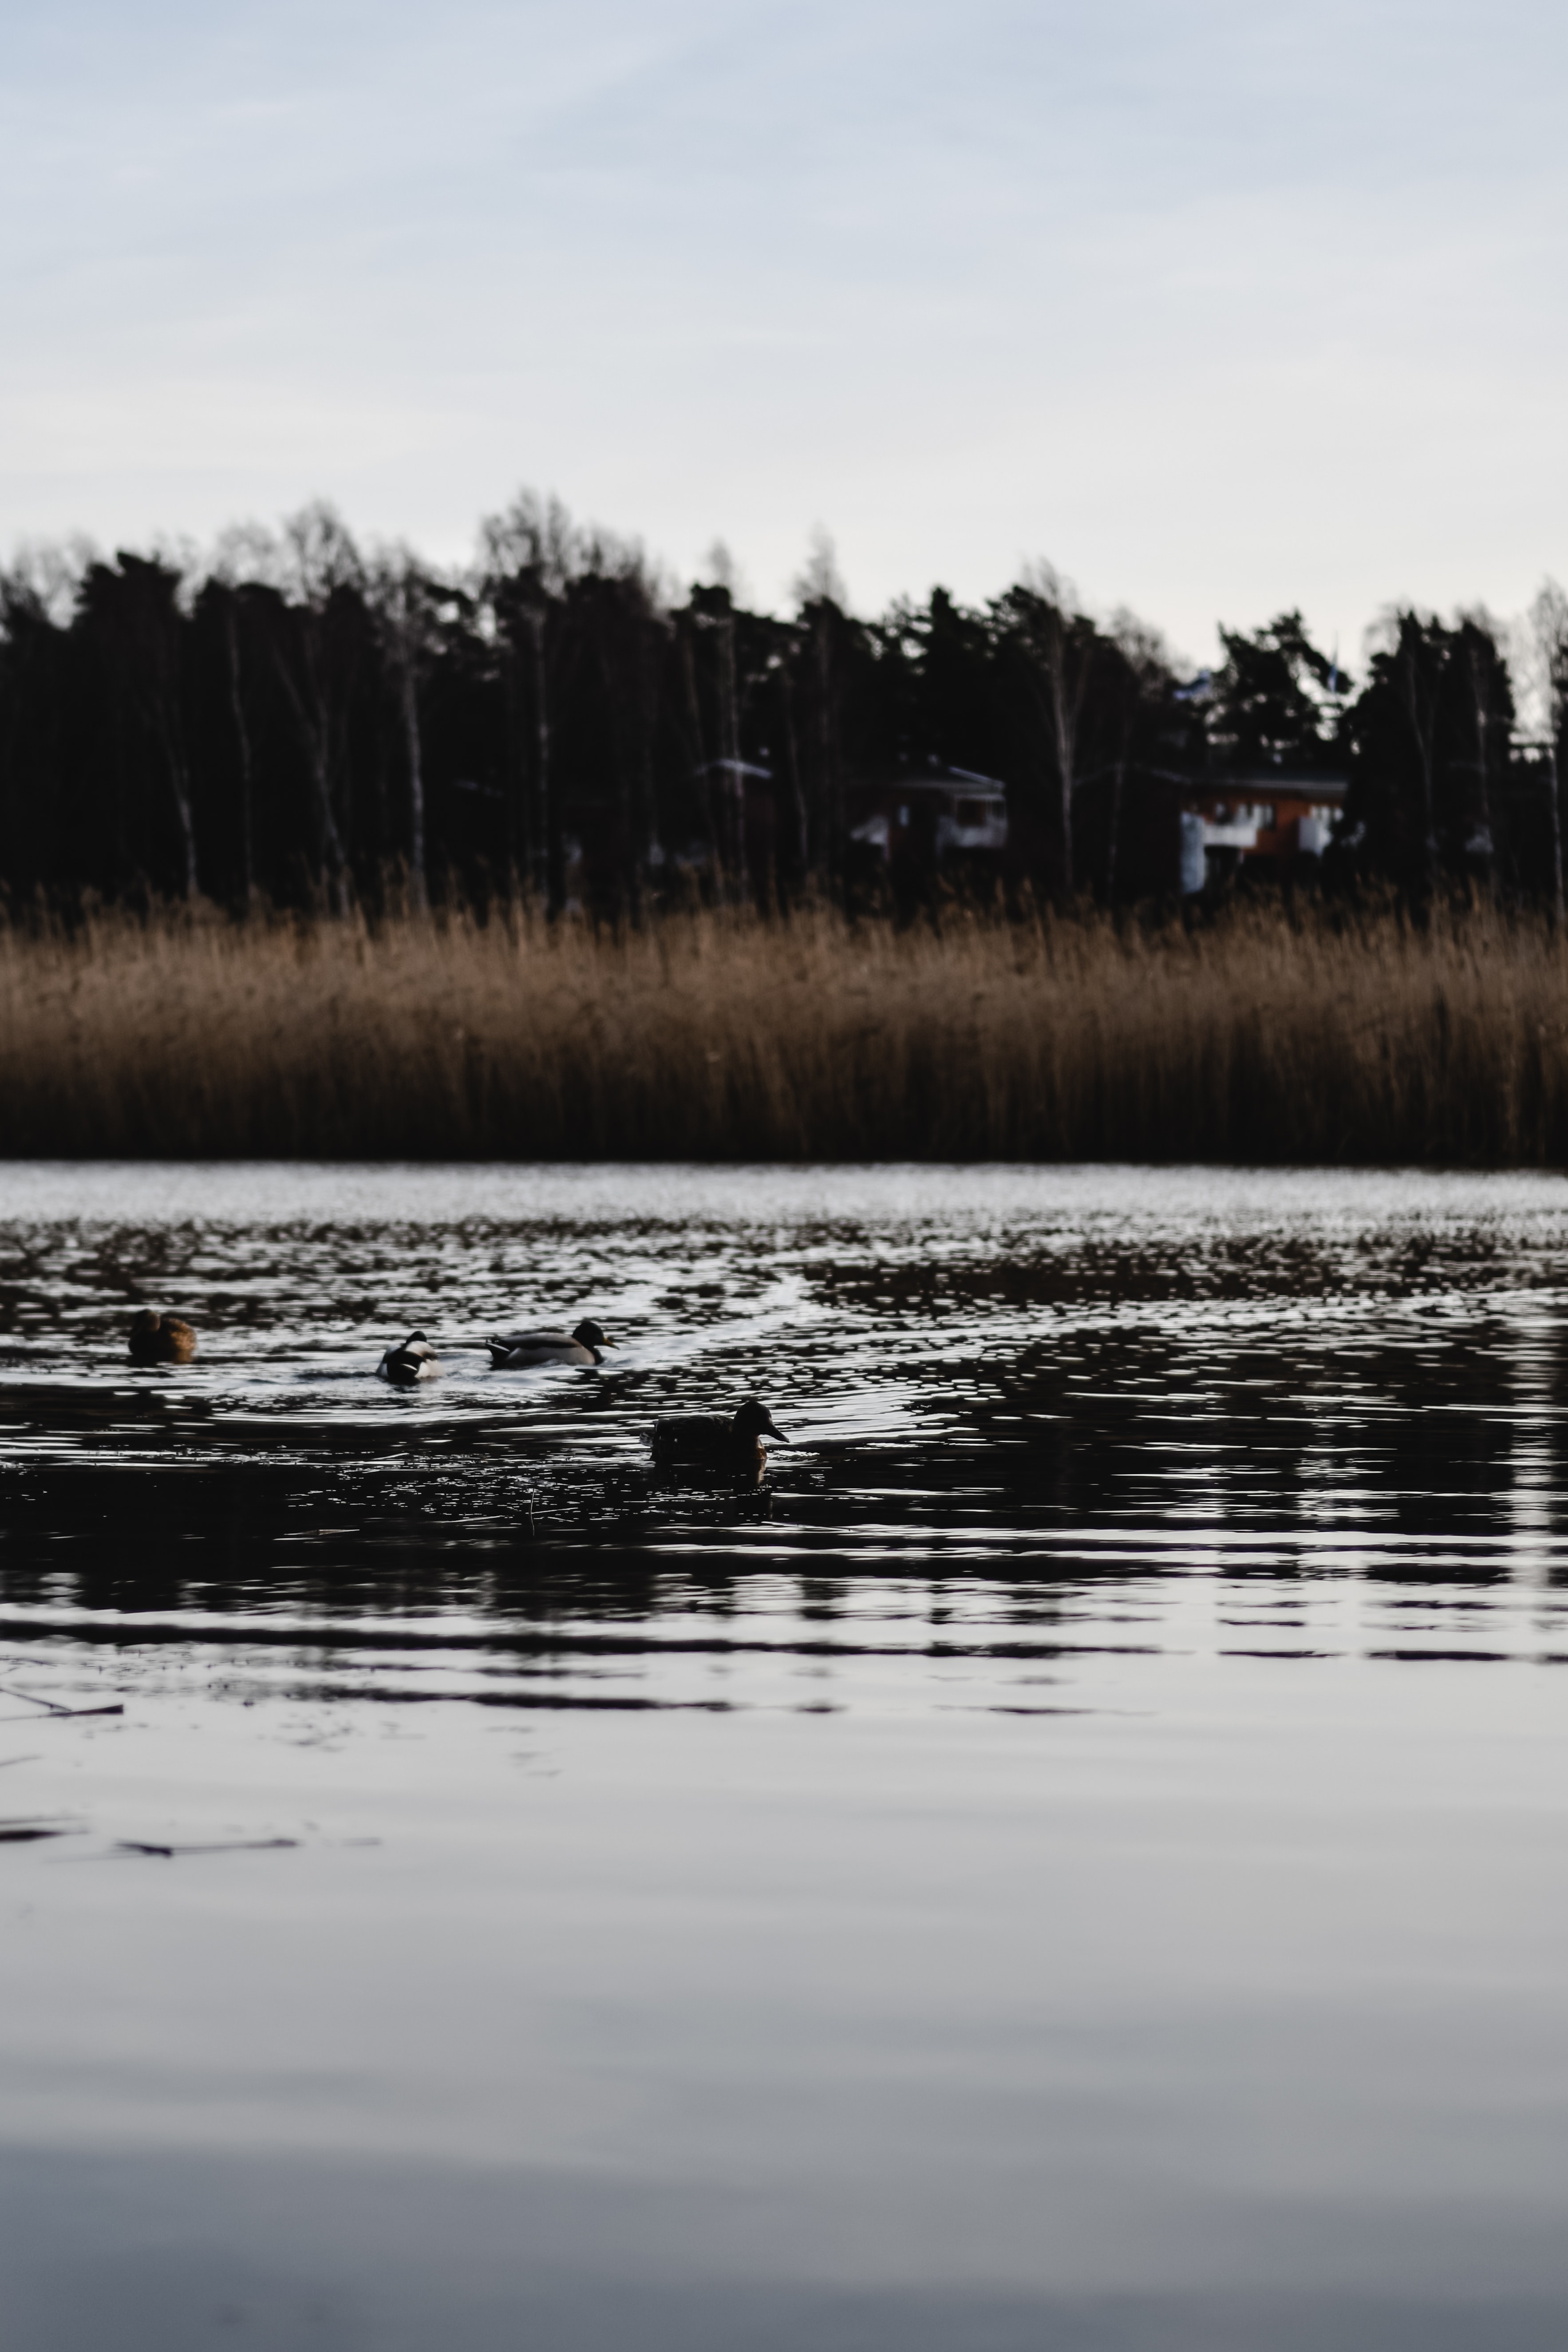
[727,1037]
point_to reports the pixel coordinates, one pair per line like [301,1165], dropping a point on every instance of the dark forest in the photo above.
[295,722]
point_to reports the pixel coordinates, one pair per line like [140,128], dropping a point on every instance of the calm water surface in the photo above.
[1078,1859]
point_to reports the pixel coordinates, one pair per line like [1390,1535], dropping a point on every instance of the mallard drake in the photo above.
[416,1359]
[713,1441]
[513,1351]
[161,1339]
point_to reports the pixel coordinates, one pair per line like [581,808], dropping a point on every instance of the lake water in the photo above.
[1078,1859]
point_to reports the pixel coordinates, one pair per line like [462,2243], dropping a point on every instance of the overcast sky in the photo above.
[1218,307]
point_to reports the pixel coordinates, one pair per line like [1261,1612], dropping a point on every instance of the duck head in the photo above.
[590,1335]
[754,1420]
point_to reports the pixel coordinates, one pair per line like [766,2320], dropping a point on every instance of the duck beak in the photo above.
[772,1431]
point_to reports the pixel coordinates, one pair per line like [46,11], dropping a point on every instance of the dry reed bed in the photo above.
[717,1036]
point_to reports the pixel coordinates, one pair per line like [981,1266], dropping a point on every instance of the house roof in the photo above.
[735,768]
[942,779]
[1274,784]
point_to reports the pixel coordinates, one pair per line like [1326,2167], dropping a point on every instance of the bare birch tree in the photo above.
[316,559]
[529,555]
[1543,647]
[406,601]
[723,626]
[1064,649]
[1144,670]
[822,609]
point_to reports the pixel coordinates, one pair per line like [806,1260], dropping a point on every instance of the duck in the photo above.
[714,1441]
[161,1339]
[513,1351]
[416,1359]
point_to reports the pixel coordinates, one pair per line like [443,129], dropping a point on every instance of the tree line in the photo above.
[291,719]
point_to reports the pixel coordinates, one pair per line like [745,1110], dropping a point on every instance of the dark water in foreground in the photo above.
[1079,1860]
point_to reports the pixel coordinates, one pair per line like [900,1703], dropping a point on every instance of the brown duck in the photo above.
[161,1339]
[714,1441]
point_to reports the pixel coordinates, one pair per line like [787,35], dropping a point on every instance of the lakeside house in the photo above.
[931,817]
[1262,823]
[1189,832]
[741,797]
[915,822]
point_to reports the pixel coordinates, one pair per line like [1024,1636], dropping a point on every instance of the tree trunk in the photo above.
[625,665]
[246,764]
[156,703]
[1423,716]
[519,845]
[734,781]
[649,845]
[409,699]
[331,872]
[1067,666]
[798,820]
[162,714]
[1555,808]
[1483,729]
[704,767]
[829,827]
[1118,773]
[654,643]
[1428,820]
[330,861]
[1064,769]
[180,788]
[626,767]
[548,849]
